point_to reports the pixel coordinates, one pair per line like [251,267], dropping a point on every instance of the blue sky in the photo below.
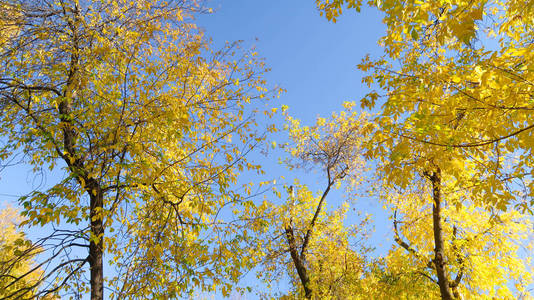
[312,59]
[315,62]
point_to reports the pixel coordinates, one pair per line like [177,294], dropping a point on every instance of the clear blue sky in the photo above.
[313,59]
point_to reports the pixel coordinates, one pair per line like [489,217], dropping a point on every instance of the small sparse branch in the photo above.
[11,83]
[507,71]
[469,145]
[427,276]
[81,262]
[454,284]
[174,205]
[405,245]
[18,293]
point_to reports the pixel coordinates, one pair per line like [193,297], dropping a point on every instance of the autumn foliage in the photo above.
[151,130]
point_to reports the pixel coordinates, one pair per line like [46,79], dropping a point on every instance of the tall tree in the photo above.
[127,100]
[455,84]
[458,75]
[479,253]
[320,253]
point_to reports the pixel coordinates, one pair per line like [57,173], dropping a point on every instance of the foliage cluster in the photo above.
[151,130]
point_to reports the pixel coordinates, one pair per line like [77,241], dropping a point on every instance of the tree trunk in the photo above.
[96,253]
[439,252]
[298,262]
[76,164]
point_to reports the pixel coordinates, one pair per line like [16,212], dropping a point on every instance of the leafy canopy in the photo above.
[149,127]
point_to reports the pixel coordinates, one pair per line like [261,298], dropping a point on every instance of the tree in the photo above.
[463,82]
[456,107]
[331,262]
[481,253]
[448,245]
[321,254]
[129,102]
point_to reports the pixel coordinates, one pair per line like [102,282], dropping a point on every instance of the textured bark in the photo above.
[96,252]
[298,262]
[439,259]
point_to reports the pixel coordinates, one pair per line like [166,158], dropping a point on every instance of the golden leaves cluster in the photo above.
[130,95]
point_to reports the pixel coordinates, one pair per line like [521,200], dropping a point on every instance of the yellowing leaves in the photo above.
[454,76]
[17,256]
[456,79]
[474,242]
[147,123]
